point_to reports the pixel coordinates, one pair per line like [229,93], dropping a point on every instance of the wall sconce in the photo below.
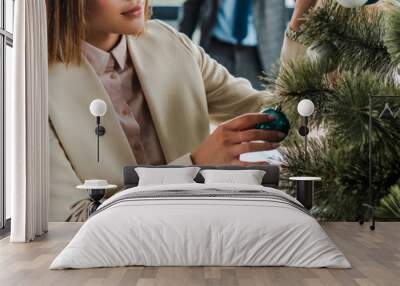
[305,108]
[98,108]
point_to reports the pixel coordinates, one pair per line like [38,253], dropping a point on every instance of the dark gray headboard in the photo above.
[271,178]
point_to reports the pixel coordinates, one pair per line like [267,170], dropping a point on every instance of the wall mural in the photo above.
[159,110]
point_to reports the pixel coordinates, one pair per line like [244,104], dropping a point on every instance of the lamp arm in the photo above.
[306,138]
[98,138]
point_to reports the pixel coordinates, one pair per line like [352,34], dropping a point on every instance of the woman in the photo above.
[160,89]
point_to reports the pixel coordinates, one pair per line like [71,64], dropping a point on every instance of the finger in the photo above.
[248,121]
[249,164]
[248,147]
[257,134]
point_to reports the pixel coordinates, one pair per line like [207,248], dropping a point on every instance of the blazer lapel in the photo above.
[164,94]
[71,91]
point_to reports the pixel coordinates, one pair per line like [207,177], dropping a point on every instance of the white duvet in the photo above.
[200,231]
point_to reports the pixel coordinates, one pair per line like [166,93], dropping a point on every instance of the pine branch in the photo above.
[344,174]
[347,112]
[326,161]
[79,211]
[357,33]
[390,205]
[303,79]
[392,37]
[341,100]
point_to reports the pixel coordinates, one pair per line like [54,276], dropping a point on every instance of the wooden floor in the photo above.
[375,257]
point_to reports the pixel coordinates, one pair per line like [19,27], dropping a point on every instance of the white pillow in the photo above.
[248,177]
[162,176]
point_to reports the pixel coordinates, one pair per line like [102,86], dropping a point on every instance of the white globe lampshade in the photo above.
[305,108]
[352,3]
[98,107]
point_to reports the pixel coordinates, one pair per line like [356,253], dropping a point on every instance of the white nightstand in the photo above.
[305,190]
[96,190]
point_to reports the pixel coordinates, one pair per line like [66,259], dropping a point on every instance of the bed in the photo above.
[198,224]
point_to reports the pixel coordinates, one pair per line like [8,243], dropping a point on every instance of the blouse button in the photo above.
[125,112]
[113,75]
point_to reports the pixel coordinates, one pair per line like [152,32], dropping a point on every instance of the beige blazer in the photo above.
[184,89]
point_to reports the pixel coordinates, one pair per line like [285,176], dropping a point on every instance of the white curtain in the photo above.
[27,159]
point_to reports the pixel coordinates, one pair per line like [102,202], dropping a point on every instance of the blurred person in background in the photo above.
[243,35]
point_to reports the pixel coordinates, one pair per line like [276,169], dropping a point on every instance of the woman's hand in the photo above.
[302,6]
[234,137]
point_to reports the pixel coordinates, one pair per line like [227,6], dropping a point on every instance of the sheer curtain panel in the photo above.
[27,158]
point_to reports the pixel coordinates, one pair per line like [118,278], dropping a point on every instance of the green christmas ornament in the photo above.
[281,122]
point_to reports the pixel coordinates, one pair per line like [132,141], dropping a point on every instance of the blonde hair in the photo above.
[66,29]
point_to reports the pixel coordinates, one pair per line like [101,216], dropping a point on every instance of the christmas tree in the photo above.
[354,55]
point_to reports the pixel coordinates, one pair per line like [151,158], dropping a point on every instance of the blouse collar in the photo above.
[100,59]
